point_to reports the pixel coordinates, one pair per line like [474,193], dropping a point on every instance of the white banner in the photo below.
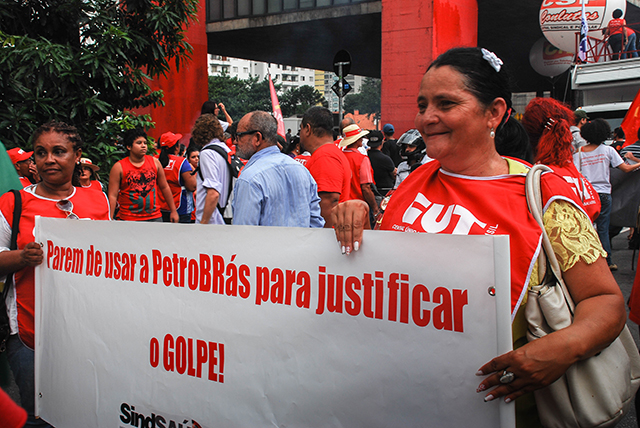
[187,326]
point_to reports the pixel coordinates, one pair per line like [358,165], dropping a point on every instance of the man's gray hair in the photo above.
[266,124]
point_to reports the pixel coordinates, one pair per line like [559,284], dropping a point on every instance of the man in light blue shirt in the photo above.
[272,189]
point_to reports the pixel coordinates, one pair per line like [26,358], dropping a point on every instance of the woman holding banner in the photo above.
[57,150]
[463,100]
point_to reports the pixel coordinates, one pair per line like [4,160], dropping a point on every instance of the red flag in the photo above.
[631,122]
[277,113]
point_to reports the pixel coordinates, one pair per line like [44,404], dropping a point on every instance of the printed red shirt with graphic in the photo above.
[431,200]
[582,188]
[87,204]
[172,173]
[137,198]
[303,159]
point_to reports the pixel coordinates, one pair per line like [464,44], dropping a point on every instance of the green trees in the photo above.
[242,96]
[298,100]
[367,101]
[85,62]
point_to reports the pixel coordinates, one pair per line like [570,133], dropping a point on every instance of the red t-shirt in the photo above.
[361,171]
[330,168]
[137,197]
[616,26]
[25,181]
[581,186]
[87,204]
[303,159]
[430,200]
[172,173]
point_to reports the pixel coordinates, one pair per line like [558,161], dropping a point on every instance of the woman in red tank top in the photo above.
[134,181]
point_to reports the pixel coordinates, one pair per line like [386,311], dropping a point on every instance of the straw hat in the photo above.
[87,162]
[352,133]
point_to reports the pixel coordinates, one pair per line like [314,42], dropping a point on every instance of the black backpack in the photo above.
[234,163]
[5,328]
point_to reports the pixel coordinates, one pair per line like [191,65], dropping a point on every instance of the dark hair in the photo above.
[295,141]
[165,152]
[192,148]
[233,130]
[320,119]
[75,179]
[617,13]
[596,131]
[481,79]
[266,124]
[59,128]
[208,107]
[512,140]
[618,133]
[206,128]
[548,123]
[131,135]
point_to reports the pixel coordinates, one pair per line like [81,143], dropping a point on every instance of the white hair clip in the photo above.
[550,124]
[492,59]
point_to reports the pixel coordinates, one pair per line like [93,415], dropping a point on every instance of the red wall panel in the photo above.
[184,90]
[414,32]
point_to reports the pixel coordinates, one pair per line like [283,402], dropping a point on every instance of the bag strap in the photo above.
[534,201]
[219,150]
[17,213]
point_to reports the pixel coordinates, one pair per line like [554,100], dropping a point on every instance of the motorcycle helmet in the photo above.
[408,141]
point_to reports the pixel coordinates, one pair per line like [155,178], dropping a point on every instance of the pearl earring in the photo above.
[492,134]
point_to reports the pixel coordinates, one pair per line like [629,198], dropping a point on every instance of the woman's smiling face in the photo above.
[450,118]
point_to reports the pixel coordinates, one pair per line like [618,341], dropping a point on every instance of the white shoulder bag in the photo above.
[595,392]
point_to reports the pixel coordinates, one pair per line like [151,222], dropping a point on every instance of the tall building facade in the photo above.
[288,76]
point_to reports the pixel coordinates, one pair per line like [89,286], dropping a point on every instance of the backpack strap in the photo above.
[222,152]
[17,213]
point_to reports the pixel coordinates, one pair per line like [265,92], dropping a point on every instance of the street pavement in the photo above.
[621,256]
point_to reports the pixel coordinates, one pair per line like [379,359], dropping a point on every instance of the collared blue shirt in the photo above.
[275,190]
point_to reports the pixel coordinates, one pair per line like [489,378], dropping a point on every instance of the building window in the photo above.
[235,69]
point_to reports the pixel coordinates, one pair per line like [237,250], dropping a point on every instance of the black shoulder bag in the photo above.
[5,328]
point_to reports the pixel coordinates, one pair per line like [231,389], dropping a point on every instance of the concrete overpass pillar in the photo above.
[184,90]
[414,33]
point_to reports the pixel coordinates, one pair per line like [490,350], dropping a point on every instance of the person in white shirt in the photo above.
[593,161]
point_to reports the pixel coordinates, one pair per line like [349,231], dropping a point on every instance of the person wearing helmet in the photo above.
[413,152]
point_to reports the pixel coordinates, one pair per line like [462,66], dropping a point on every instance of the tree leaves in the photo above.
[84,62]
[367,101]
[243,96]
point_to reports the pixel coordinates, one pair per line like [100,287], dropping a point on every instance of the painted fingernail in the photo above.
[479,373]
[356,246]
[348,250]
[344,250]
[488,398]
[507,400]
[481,388]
